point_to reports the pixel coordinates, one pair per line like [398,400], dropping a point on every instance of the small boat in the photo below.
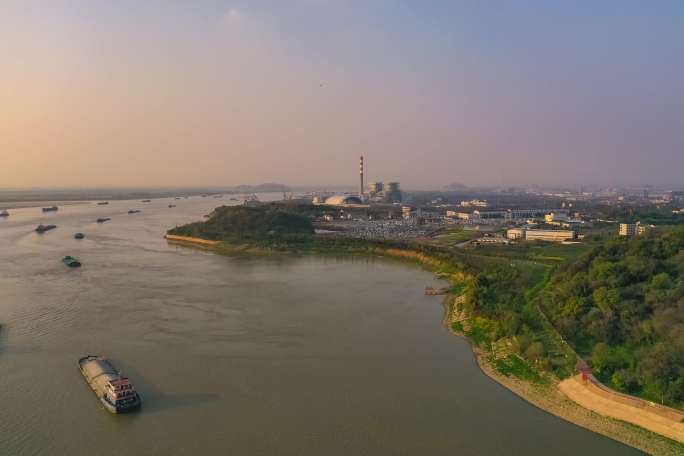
[4,214]
[43,228]
[79,236]
[50,209]
[145,201]
[114,390]
[103,203]
[172,205]
[178,197]
[71,262]
[133,211]
[234,199]
[104,219]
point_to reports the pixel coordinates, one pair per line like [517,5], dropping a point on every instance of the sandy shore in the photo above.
[191,240]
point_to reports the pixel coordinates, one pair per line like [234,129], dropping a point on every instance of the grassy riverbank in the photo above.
[541,389]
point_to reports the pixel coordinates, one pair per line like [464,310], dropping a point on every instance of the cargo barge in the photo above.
[71,262]
[114,390]
[43,228]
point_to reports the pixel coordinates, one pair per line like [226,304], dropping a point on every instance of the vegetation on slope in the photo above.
[622,307]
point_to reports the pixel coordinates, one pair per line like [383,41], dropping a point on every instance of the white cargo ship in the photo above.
[113,389]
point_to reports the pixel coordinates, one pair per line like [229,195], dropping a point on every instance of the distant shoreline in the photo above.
[27,195]
[31,204]
[544,395]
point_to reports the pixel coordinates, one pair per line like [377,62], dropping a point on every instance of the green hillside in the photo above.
[244,223]
[622,307]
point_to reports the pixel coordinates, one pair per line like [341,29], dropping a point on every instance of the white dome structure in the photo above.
[343,200]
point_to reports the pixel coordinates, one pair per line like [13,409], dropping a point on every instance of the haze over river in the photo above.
[281,355]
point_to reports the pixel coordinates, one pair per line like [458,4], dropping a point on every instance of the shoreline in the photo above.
[34,204]
[548,397]
[545,395]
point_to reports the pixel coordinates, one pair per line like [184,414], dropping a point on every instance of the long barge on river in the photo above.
[43,228]
[114,390]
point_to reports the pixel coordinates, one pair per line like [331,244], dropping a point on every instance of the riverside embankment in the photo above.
[592,395]
[571,403]
[544,393]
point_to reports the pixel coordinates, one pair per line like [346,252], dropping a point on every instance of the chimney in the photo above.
[361,176]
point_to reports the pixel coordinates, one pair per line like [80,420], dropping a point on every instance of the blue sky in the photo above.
[431,92]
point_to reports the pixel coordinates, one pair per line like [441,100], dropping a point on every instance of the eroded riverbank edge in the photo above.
[544,395]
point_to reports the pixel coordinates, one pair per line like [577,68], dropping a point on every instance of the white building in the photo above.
[550,235]
[474,203]
[555,217]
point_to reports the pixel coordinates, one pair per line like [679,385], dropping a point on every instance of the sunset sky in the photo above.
[188,93]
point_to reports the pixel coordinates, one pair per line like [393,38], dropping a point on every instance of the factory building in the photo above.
[541,235]
[552,217]
[392,192]
[474,203]
[515,233]
[522,214]
[374,188]
[550,235]
[406,212]
[387,192]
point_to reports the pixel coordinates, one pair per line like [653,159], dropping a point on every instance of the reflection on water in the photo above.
[280,355]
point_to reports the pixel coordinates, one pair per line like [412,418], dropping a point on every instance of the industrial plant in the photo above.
[376,193]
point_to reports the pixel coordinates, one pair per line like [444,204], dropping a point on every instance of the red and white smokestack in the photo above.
[361,175]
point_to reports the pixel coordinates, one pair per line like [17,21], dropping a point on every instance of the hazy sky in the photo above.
[117,93]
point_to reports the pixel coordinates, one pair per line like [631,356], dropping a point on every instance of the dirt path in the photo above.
[586,396]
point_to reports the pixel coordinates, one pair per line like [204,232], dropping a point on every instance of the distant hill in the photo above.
[455,187]
[261,188]
[247,223]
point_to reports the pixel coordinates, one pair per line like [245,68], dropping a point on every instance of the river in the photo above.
[278,355]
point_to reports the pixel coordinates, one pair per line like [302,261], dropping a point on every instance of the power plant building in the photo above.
[344,200]
[387,192]
[392,192]
[374,188]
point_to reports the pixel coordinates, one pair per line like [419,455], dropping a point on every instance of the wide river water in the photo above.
[280,355]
